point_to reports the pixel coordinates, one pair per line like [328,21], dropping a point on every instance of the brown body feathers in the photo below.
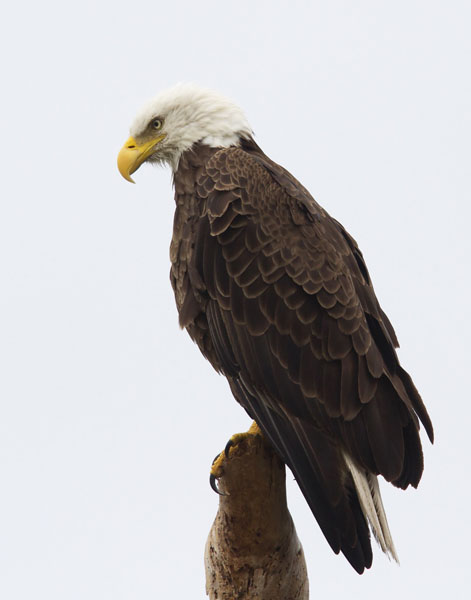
[278,298]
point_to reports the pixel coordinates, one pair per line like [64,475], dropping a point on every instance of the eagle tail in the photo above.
[319,469]
[369,495]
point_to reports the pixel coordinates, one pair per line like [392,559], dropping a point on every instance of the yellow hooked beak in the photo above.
[132,155]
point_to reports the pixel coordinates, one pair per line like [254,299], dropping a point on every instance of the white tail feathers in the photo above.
[367,488]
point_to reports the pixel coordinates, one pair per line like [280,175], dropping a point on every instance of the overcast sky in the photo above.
[109,415]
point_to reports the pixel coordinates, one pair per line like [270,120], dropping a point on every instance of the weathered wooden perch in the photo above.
[252,549]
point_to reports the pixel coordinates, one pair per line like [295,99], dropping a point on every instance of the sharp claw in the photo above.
[229,445]
[215,458]
[213,483]
[214,486]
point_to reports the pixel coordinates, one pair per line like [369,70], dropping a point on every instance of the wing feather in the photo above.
[295,325]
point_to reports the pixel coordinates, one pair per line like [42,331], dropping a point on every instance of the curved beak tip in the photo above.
[126,175]
[126,159]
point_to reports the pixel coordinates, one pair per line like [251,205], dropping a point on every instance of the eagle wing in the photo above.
[291,318]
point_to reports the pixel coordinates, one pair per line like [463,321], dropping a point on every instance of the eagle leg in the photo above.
[238,439]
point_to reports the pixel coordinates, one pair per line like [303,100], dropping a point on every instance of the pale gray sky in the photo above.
[105,441]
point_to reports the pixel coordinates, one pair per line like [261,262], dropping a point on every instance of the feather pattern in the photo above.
[277,296]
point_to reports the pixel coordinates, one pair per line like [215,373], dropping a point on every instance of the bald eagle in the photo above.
[277,296]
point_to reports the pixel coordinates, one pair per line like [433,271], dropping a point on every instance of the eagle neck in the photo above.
[190,167]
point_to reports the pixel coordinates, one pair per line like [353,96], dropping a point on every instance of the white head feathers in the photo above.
[191,114]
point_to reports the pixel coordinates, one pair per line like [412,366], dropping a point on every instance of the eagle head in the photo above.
[174,120]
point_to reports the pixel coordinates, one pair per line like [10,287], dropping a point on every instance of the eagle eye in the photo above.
[157,124]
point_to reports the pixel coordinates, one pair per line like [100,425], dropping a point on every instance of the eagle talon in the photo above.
[217,471]
[229,445]
[214,486]
[217,466]
[215,458]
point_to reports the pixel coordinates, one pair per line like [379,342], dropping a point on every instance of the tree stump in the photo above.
[252,549]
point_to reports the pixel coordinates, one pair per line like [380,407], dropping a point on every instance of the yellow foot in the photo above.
[217,469]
